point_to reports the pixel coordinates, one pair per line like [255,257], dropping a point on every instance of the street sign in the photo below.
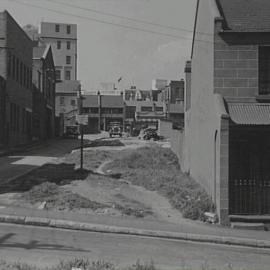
[82,119]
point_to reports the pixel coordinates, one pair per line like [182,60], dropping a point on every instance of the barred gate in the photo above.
[250,196]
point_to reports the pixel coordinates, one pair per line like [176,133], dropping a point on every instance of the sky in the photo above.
[109,47]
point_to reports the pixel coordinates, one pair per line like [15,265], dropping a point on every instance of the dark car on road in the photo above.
[115,131]
[149,134]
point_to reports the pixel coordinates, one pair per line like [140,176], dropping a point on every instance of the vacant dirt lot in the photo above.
[120,178]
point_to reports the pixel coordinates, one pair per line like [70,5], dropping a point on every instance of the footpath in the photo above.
[188,231]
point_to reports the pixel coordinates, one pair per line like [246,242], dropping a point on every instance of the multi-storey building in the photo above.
[63,40]
[16,84]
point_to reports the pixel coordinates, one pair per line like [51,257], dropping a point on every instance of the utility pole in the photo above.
[81,125]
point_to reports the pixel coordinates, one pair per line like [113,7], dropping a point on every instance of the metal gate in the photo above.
[250,196]
[249,172]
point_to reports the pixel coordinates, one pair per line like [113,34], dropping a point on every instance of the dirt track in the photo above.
[117,196]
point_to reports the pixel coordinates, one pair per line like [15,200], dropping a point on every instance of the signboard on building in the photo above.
[82,119]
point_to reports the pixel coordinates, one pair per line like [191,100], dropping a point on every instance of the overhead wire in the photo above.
[125,17]
[98,20]
[106,22]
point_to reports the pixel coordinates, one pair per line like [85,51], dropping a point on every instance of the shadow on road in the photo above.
[60,174]
[34,244]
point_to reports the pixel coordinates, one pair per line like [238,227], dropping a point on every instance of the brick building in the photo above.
[43,93]
[227,110]
[16,87]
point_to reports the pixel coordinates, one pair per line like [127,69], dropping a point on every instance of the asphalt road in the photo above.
[46,246]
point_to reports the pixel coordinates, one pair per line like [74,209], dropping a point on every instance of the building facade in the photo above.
[103,111]
[16,52]
[172,95]
[63,40]
[43,93]
[227,110]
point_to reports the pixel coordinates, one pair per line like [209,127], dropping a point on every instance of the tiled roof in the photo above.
[246,15]
[249,113]
[106,101]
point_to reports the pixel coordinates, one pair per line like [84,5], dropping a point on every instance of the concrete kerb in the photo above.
[72,225]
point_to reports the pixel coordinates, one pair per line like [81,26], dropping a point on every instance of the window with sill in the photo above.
[58,75]
[58,44]
[57,28]
[62,100]
[264,70]
[73,102]
[68,60]
[67,75]
[68,29]
[146,109]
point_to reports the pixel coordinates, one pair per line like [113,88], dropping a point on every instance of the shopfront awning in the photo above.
[249,113]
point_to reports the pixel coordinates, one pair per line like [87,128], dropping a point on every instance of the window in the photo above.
[68,45]
[67,75]
[13,67]
[68,29]
[146,109]
[39,80]
[24,76]
[264,70]
[30,78]
[27,77]
[130,111]
[17,69]
[23,120]
[58,75]
[85,110]
[159,109]
[17,118]
[73,102]
[68,60]
[93,110]
[9,64]
[57,28]
[21,73]
[62,100]
[58,44]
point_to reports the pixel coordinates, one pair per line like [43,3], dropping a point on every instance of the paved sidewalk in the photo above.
[196,231]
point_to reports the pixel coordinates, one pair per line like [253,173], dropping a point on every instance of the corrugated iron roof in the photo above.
[246,15]
[249,113]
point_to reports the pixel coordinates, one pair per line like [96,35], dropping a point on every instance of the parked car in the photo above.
[115,131]
[72,132]
[148,134]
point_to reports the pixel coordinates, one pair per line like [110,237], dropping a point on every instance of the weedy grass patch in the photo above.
[86,264]
[157,169]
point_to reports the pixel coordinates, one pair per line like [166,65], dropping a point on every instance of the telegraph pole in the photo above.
[81,125]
